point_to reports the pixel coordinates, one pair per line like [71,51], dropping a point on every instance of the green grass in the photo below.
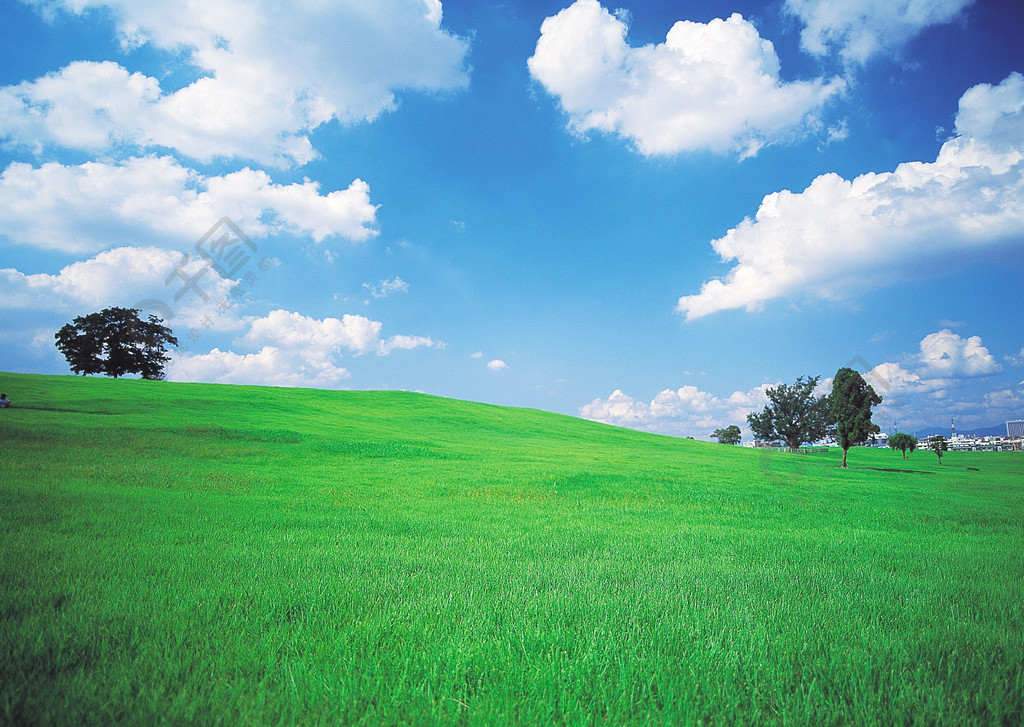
[200,554]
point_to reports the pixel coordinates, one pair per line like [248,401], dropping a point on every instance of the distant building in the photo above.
[1015,428]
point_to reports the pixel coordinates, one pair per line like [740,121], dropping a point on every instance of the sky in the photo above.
[644,215]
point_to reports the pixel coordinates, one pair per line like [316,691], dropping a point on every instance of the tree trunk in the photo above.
[844,458]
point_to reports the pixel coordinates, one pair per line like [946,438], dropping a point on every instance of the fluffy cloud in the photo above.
[713,86]
[291,349]
[131,277]
[292,331]
[1016,359]
[92,206]
[944,353]
[684,411]
[497,365]
[269,366]
[890,379]
[269,74]
[858,29]
[838,237]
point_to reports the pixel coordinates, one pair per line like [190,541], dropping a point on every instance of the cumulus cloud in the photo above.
[358,334]
[269,366]
[944,353]
[708,86]
[890,379]
[269,73]
[838,237]
[92,206]
[141,277]
[497,365]
[684,411]
[857,30]
[1016,359]
[291,349]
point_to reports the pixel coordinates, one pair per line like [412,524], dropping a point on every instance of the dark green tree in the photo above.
[851,401]
[728,435]
[938,444]
[793,414]
[903,441]
[116,342]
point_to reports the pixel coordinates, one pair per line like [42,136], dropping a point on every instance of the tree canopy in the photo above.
[850,402]
[793,414]
[729,435]
[116,342]
[903,441]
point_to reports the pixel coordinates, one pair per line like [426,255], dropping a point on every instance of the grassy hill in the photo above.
[201,554]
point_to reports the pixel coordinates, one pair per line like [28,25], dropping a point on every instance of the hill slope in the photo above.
[215,554]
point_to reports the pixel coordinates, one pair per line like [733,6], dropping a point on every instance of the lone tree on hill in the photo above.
[116,342]
[851,401]
[938,444]
[903,441]
[729,435]
[793,414]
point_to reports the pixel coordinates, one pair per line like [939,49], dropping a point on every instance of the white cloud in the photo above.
[838,237]
[1015,359]
[96,205]
[269,366]
[497,365]
[713,86]
[269,74]
[288,330]
[141,277]
[619,409]
[684,411]
[891,380]
[387,287]
[944,353]
[477,354]
[858,29]
[291,349]
[406,343]
[1005,399]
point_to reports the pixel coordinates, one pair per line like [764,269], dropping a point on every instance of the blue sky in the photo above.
[643,215]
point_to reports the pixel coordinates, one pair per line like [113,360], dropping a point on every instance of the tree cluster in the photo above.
[794,414]
[116,342]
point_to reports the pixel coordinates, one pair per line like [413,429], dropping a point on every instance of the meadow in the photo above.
[202,554]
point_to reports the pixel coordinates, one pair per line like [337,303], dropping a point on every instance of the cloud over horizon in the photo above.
[291,349]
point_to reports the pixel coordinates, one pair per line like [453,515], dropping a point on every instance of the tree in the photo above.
[938,444]
[903,441]
[793,414]
[850,402]
[116,342]
[729,435]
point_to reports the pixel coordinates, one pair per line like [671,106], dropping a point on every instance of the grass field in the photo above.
[200,554]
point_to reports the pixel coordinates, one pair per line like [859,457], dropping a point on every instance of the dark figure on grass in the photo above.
[4,401]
